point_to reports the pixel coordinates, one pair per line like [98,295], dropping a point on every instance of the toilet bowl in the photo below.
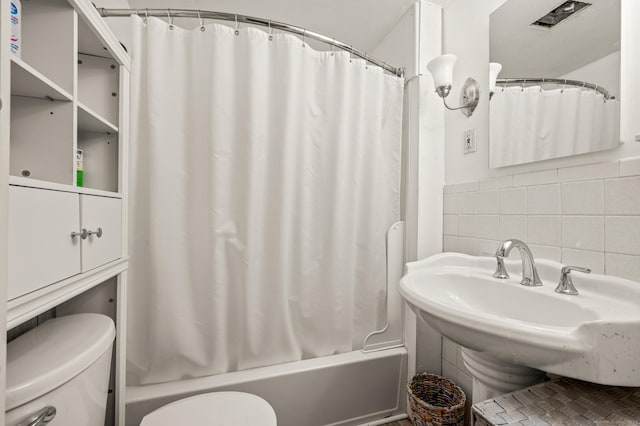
[214,409]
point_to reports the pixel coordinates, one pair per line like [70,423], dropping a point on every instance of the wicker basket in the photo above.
[435,400]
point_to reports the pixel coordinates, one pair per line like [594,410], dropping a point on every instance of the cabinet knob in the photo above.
[82,234]
[97,232]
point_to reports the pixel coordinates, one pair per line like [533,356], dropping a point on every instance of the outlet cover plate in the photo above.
[469,141]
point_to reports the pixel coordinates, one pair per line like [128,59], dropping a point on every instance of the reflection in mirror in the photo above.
[558,91]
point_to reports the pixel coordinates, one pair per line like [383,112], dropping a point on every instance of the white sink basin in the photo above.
[594,336]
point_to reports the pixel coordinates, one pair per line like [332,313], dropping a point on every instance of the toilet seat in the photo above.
[214,409]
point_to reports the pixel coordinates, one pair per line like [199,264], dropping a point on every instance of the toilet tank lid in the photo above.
[53,353]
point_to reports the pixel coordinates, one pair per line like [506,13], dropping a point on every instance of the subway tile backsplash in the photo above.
[586,215]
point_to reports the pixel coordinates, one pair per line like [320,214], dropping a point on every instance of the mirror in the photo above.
[559,88]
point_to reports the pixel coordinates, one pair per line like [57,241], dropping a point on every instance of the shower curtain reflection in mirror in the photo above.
[264,177]
[533,124]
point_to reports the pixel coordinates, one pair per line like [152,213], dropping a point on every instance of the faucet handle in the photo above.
[567,269]
[565,286]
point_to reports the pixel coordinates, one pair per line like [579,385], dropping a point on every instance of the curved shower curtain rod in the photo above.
[560,81]
[273,25]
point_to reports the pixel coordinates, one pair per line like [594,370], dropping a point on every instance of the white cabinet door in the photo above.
[41,248]
[104,214]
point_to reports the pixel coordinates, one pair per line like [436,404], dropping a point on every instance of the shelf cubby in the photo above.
[89,43]
[100,152]
[27,81]
[41,139]
[99,86]
[90,121]
[48,39]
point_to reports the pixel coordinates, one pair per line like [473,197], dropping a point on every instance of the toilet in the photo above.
[215,409]
[59,371]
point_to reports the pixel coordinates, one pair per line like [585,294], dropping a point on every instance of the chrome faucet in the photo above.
[565,286]
[530,275]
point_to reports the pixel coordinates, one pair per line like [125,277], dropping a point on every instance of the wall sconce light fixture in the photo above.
[494,70]
[441,68]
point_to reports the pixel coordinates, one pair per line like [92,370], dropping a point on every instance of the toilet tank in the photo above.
[65,364]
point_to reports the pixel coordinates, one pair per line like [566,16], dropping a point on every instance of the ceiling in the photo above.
[524,51]
[362,23]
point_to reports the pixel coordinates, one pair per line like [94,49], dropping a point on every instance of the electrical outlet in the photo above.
[469,141]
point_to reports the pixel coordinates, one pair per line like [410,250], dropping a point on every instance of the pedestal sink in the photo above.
[512,334]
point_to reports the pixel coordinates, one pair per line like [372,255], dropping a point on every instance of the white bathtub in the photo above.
[346,389]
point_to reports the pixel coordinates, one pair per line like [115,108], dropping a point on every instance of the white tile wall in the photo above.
[623,234]
[630,166]
[583,232]
[496,183]
[453,367]
[622,196]
[450,204]
[486,247]
[594,259]
[450,224]
[583,197]
[512,226]
[622,265]
[488,202]
[583,216]
[513,201]
[487,227]
[543,199]
[544,230]
[589,171]
[586,215]
[536,178]
[468,203]
[467,225]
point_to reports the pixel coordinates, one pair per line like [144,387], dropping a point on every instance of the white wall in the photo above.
[601,72]
[399,47]
[466,34]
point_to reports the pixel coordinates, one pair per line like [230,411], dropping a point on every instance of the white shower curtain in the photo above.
[531,124]
[264,176]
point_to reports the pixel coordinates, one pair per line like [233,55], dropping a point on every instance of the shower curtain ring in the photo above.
[170,19]
[541,85]
[524,81]
[351,57]
[304,38]
[270,32]
[563,86]
[146,15]
[237,26]
[201,21]
[366,61]
[333,45]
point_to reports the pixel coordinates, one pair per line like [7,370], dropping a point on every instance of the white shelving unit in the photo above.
[68,90]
